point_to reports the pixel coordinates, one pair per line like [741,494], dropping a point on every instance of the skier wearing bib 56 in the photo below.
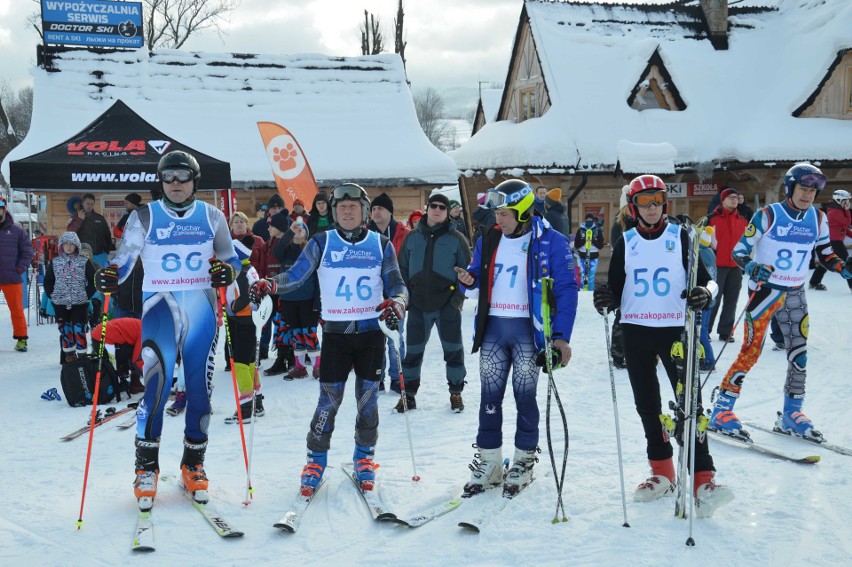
[175,237]
[359,284]
[508,263]
[774,252]
[648,282]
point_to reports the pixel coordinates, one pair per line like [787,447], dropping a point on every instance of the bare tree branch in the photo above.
[431,113]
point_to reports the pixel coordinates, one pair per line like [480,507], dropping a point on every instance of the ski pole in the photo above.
[736,324]
[93,418]
[263,312]
[396,336]
[559,479]
[222,301]
[615,413]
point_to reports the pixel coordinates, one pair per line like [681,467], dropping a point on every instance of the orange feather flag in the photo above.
[293,176]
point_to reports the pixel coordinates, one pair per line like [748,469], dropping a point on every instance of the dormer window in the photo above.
[655,88]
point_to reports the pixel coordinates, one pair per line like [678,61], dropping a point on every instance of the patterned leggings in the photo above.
[791,311]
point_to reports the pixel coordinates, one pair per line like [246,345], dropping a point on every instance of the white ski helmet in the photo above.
[841,195]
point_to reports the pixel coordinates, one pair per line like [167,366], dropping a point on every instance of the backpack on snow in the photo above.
[78,381]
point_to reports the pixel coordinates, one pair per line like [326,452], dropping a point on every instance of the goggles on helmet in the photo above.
[498,199]
[645,199]
[343,192]
[179,175]
[813,181]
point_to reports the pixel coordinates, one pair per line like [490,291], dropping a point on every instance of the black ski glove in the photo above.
[221,274]
[699,298]
[602,298]
[106,279]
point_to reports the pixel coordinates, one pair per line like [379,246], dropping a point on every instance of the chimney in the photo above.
[715,14]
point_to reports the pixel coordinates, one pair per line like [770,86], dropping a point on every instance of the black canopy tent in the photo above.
[119,151]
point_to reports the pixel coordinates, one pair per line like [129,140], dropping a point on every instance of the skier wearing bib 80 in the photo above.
[175,237]
[774,252]
[360,284]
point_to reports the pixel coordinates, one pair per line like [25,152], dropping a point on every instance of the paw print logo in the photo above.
[285,157]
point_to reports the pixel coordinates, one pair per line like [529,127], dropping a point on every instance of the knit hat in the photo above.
[454,204]
[707,236]
[439,198]
[383,201]
[275,201]
[134,198]
[728,192]
[415,215]
[280,220]
[554,196]
[480,198]
[299,202]
[320,197]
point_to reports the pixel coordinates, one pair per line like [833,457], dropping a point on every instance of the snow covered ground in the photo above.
[783,513]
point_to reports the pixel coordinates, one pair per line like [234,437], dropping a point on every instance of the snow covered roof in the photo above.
[354,117]
[739,102]
[490,99]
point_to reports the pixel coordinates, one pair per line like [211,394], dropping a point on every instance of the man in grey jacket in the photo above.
[427,260]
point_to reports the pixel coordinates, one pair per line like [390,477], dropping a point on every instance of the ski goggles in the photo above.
[813,181]
[348,191]
[179,175]
[498,200]
[647,198]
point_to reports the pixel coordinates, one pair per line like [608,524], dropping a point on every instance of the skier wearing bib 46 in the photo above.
[507,265]
[175,237]
[774,252]
[648,281]
[360,284]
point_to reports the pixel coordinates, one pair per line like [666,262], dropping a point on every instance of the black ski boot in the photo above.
[280,365]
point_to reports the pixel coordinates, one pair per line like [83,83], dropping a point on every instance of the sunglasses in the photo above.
[438,206]
[179,175]
[647,198]
[813,181]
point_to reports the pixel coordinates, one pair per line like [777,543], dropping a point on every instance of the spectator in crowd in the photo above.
[414,219]
[717,198]
[93,229]
[540,196]
[274,205]
[746,211]
[483,216]
[279,225]
[458,219]
[299,212]
[16,253]
[126,334]
[427,262]
[131,202]
[728,225]
[319,219]
[239,231]
[839,228]
[382,221]
[588,242]
[555,211]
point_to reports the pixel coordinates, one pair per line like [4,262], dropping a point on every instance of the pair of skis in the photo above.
[102,420]
[143,536]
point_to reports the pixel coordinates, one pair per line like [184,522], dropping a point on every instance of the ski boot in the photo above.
[659,484]
[312,472]
[245,410]
[486,471]
[723,419]
[708,495]
[793,422]
[192,473]
[456,403]
[280,364]
[21,345]
[258,405]
[521,472]
[178,405]
[147,472]
[365,468]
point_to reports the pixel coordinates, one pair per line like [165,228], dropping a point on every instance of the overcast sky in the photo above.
[450,42]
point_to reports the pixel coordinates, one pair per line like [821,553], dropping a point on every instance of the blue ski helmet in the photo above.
[806,175]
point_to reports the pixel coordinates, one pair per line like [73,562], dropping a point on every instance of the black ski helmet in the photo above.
[179,159]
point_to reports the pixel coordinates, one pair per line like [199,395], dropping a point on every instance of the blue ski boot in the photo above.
[723,418]
[793,422]
[365,468]
[312,472]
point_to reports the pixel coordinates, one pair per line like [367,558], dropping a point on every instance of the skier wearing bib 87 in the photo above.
[507,265]
[360,284]
[175,237]
[774,252]
[648,281]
